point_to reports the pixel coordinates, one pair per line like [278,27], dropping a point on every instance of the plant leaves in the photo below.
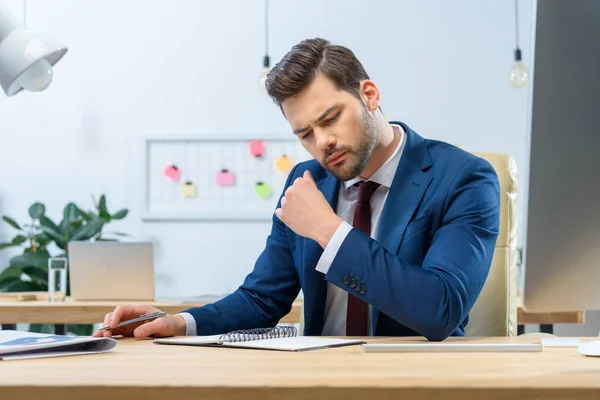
[37,210]
[88,230]
[120,214]
[16,241]
[86,216]
[80,329]
[19,239]
[24,286]
[70,213]
[76,224]
[48,223]
[29,259]
[49,228]
[37,274]
[11,222]
[41,328]
[11,272]
[43,241]
[102,205]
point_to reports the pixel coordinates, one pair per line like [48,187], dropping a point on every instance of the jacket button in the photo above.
[345,279]
[353,283]
[363,289]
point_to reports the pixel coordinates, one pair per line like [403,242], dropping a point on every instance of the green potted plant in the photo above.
[28,271]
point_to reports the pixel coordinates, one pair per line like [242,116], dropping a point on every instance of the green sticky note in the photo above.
[263,190]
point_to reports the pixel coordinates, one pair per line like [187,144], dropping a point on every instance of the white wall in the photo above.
[158,67]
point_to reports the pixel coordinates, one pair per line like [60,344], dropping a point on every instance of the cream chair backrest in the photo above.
[495,311]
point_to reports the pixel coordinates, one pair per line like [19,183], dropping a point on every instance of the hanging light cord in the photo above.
[266,60]
[24,13]
[517,24]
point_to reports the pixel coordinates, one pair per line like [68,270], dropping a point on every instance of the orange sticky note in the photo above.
[257,148]
[188,189]
[284,164]
[172,172]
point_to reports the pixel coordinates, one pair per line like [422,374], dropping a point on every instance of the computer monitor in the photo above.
[562,240]
[111,271]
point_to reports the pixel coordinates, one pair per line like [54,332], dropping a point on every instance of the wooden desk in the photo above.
[89,312]
[546,320]
[143,370]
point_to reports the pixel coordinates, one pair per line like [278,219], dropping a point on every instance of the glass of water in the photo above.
[57,279]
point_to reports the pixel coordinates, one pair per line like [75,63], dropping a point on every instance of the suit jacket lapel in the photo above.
[315,288]
[407,190]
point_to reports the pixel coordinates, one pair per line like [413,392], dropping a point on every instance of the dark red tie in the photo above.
[357,313]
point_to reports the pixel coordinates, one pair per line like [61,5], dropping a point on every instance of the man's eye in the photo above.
[332,119]
[306,135]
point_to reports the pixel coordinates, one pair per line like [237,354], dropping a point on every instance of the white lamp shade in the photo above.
[21,49]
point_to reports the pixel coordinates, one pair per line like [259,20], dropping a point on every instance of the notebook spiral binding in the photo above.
[259,333]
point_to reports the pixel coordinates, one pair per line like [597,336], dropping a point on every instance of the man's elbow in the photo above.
[438,333]
[443,324]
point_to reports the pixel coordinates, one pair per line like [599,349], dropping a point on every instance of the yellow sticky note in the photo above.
[263,190]
[188,189]
[284,164]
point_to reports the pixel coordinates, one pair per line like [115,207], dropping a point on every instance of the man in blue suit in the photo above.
[385,232]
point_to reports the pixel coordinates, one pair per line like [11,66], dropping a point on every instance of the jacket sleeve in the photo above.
[433,298]
[266,294]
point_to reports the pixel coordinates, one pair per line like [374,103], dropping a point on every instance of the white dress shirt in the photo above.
[337,298]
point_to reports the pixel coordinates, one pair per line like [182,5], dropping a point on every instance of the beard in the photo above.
[356,159]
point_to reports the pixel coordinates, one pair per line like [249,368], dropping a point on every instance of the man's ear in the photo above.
[370,94]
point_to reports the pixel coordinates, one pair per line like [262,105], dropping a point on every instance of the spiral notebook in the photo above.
[283,338]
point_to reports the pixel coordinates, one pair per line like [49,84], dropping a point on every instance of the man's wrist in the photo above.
[326,230]
[180,325]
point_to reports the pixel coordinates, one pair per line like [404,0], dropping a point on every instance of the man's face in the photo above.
[334,126]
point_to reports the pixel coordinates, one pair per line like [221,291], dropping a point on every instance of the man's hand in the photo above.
[169,325]
[305,210]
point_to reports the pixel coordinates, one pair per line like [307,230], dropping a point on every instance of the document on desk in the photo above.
[297,343]
[450,347]
[16,345]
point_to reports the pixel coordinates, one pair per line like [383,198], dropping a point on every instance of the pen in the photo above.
[138,319]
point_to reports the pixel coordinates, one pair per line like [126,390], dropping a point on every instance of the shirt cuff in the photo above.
[190,324]
[332,247]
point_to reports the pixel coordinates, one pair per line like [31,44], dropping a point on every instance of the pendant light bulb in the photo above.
[262,80]
[518,76]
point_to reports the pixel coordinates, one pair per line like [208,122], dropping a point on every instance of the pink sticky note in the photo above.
[172,172]
[257,148]
[225,178]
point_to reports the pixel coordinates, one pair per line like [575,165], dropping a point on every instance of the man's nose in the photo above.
[325,140]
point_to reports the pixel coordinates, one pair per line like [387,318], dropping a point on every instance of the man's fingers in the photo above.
[309,177]
[158,326]
[107,319]
[123,313]
[116,317]
[100,333]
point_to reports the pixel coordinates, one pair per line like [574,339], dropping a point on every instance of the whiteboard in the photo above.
[200,161]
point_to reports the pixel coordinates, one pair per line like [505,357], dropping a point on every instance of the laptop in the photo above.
[111,270]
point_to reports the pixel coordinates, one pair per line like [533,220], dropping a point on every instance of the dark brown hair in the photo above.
[306,60]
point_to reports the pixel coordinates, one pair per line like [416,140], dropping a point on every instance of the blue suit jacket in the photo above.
[422,275]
